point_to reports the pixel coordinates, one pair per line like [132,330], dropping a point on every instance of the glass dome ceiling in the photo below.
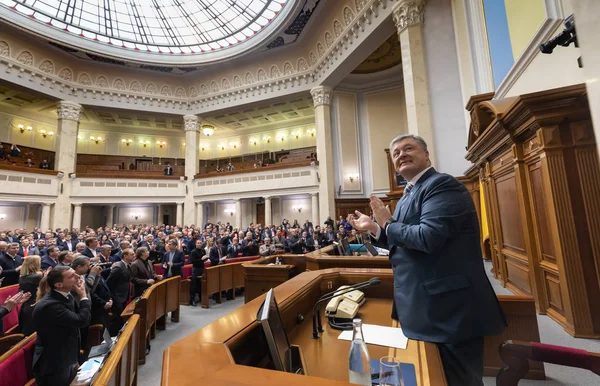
[155,26]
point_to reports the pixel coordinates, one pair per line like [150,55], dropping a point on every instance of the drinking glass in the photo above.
[390,373]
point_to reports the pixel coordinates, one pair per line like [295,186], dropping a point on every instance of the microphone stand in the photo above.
[316,317]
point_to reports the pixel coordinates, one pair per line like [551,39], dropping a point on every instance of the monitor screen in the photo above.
[371,248]
[346,247]
[272,324]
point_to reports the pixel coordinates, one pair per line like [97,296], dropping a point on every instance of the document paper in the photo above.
[380,336]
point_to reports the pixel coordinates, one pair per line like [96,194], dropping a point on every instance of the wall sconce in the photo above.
[144,143]
[203,147]
[311,132]
[222,146]
[80,137]
[161,143]
[230,212]
[281,137]
[296,134]
[2,216]
[297,209]
[208,130]
[136,215]
[96,139]
[183,143]
[253,141]
[267,139]
[234,145]
[353,176]
[127,141]
[22,128]
[45,133]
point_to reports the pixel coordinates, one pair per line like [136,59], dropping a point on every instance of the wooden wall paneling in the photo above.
[578,316]
[530,236]
[494,226]
[588,166]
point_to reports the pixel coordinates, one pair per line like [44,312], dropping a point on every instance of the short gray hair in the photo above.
[401,137]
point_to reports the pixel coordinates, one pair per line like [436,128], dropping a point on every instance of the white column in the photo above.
[238,214]
[322,98]
[179,216]
[315,209]
[45,219]
[588,31]
[268,212]
[190,124]
[76,216]
[159,213]
[408,17]
[66,156]
[200,214]
[110,213]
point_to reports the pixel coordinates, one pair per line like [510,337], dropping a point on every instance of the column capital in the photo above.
[47,204]
[407,13]
[190,123]
[314,194]
[238,200]
[77,204]
[321,95]
[68,110]
[266,197]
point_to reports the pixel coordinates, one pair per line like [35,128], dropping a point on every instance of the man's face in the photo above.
[54,254]
[25,243]
[2,236]
[83,269]
[409,158]
[267,241]
[199,244]
[94,244]
[52,242]
[12,250]
[128,257]
[61,235]
[3,246]
[41,243]
[80,248]
[68,237]
[68,259]
[48,235]
[70,280]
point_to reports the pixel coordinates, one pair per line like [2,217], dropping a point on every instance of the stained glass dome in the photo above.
[154,26]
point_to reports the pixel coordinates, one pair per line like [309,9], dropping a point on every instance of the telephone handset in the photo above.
[345,306]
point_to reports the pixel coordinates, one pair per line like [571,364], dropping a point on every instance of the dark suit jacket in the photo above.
[57,322]
[65,247]
[3,312]
[168,171]
[118,282]
[11,276]
[233,250]
[88,252]
[249,250]
[196,260]
[213,255]
[141,272]
[48,262]
[100,296]
[441,291]
[178,262]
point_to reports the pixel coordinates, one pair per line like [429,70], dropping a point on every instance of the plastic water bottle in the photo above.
[359,362]
[278,261]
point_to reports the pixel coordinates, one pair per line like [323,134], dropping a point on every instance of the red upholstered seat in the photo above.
[13,371]
[186,271]
[207,264]
[159,269]
[28,350]
[12,319]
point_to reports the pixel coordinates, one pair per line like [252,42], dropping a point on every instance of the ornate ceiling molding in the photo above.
[321,95]
[68,111]
[407,13]
[190,123]
[333,47]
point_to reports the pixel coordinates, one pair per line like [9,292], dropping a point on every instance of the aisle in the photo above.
[191,319]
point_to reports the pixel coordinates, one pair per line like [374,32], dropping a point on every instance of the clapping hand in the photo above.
[18,298]
[108,304]
[381,212]
[361,222]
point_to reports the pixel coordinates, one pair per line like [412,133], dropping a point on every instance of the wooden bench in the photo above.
[223,277]
[153,306]
[522,323]
[120,368]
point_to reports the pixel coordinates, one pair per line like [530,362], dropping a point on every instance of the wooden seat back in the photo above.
[11,320]
[223,277]
[16,365]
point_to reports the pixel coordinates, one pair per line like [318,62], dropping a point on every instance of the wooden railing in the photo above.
[121,366]
[131,174]
[277,166]
[25,169]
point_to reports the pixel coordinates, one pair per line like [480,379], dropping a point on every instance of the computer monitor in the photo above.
[371,248]
[346,247]
[277,340]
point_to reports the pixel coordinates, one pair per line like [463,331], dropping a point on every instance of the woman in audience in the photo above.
[31,274]
[210,242]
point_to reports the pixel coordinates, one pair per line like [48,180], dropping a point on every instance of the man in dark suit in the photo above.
[197,259]
[57,319]
[217,254]
[67,244]
[168,170]
[118,283]
[91,243]
[51,259]
[441,292]
[233,249]
[173,259]
[142,272]
[11,265]
[294,243]
[249,245]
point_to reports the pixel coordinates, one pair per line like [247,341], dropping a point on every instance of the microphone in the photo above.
[316,317]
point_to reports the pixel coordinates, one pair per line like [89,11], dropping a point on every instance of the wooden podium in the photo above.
[233,351]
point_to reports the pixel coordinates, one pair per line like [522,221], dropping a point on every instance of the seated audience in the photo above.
[44,165]
[267,249]
[29,163]
[57,320]
[31,274]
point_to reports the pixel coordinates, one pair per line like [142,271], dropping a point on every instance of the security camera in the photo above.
[565,38]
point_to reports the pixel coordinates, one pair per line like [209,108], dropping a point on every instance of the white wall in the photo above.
[14,215]
[287,208]
[147,212]
[445,98]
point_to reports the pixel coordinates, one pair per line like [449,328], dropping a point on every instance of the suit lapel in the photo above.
[407,201]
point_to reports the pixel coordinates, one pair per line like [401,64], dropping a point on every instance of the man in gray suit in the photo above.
[441,292]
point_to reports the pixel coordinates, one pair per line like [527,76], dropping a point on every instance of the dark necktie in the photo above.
[407,190]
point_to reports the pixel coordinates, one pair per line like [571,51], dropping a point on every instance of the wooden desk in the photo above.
[232,350]
[260,277]
[327,258]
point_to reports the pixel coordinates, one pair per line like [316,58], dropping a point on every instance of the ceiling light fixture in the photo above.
[208,130]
